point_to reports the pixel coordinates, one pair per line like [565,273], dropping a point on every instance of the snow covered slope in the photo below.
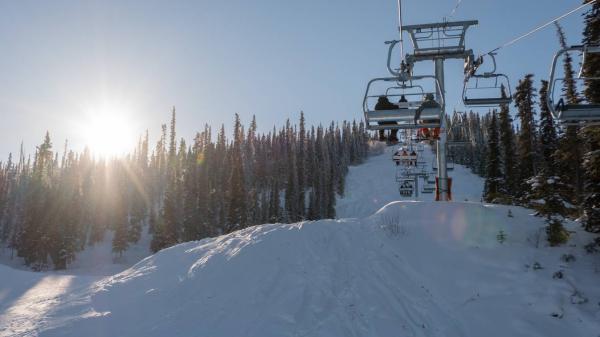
[407,269]
[372,185]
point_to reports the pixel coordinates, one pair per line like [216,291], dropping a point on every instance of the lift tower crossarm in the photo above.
[439,40]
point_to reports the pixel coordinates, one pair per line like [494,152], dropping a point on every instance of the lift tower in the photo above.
[439,42]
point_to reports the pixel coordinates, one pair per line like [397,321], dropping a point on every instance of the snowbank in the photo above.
[411,269]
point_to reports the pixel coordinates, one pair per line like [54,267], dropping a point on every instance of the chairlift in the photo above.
[428,187]
[387,110]
[406,187]
[405,157]
[489,89]
[568,113]
[431,179]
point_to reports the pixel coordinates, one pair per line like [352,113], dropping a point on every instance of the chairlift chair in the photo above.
[406,187]
[428,187]
[494,91]
[422,112]
[573,113]
[431,179]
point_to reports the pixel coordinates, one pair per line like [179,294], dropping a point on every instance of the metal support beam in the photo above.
[441,143]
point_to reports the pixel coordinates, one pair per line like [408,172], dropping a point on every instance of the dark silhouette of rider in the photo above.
[383,103]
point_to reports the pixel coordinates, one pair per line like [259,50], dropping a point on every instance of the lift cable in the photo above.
[541,27]
[400,31]
[454,9]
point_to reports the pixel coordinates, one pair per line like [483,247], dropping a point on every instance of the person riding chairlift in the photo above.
[426,133]
[383,103]
[413,159]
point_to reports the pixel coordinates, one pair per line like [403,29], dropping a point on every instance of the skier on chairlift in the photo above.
[413,158]
[426,133]
[383,103]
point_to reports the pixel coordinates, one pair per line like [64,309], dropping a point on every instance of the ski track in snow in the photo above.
[388,268]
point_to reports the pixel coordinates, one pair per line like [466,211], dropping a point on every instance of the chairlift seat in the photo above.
[396,115]
[578,112]
[428,189]
[493,101]
[429,113]
[573,114]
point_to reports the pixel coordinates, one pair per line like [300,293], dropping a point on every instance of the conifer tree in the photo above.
[591,133]
[301,167]
[591,68]
[507,148]
[167,233]
[237,217]
[121,237]
[526,144]
[548,139]
[568,153]
[493,174]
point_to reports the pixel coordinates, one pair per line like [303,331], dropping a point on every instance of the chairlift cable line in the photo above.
[400,30]
[513,41]
[454,9]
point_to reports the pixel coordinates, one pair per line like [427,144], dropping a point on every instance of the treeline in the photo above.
[537,163]
[52,206]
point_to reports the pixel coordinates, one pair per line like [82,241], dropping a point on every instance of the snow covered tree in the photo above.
[591,68]
[591,133]
[568,156]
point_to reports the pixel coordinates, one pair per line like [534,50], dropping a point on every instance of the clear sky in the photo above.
[64,61]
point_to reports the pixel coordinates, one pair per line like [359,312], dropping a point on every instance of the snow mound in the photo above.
[410,269]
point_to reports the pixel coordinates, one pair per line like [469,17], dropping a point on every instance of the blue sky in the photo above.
[211,59]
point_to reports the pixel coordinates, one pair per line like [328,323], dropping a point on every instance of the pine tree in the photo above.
[237,217]
[493,174]
[167,233]
[591,68]
[274,204]
[121,238]
[526,144]
[301,168]
[568,156]
[591,133]
[34,239]
[507,147]
[548,139]
[546,185]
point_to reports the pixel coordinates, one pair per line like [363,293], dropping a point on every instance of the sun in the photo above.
[107,130]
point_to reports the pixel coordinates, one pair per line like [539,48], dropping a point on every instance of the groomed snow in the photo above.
[407,269]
